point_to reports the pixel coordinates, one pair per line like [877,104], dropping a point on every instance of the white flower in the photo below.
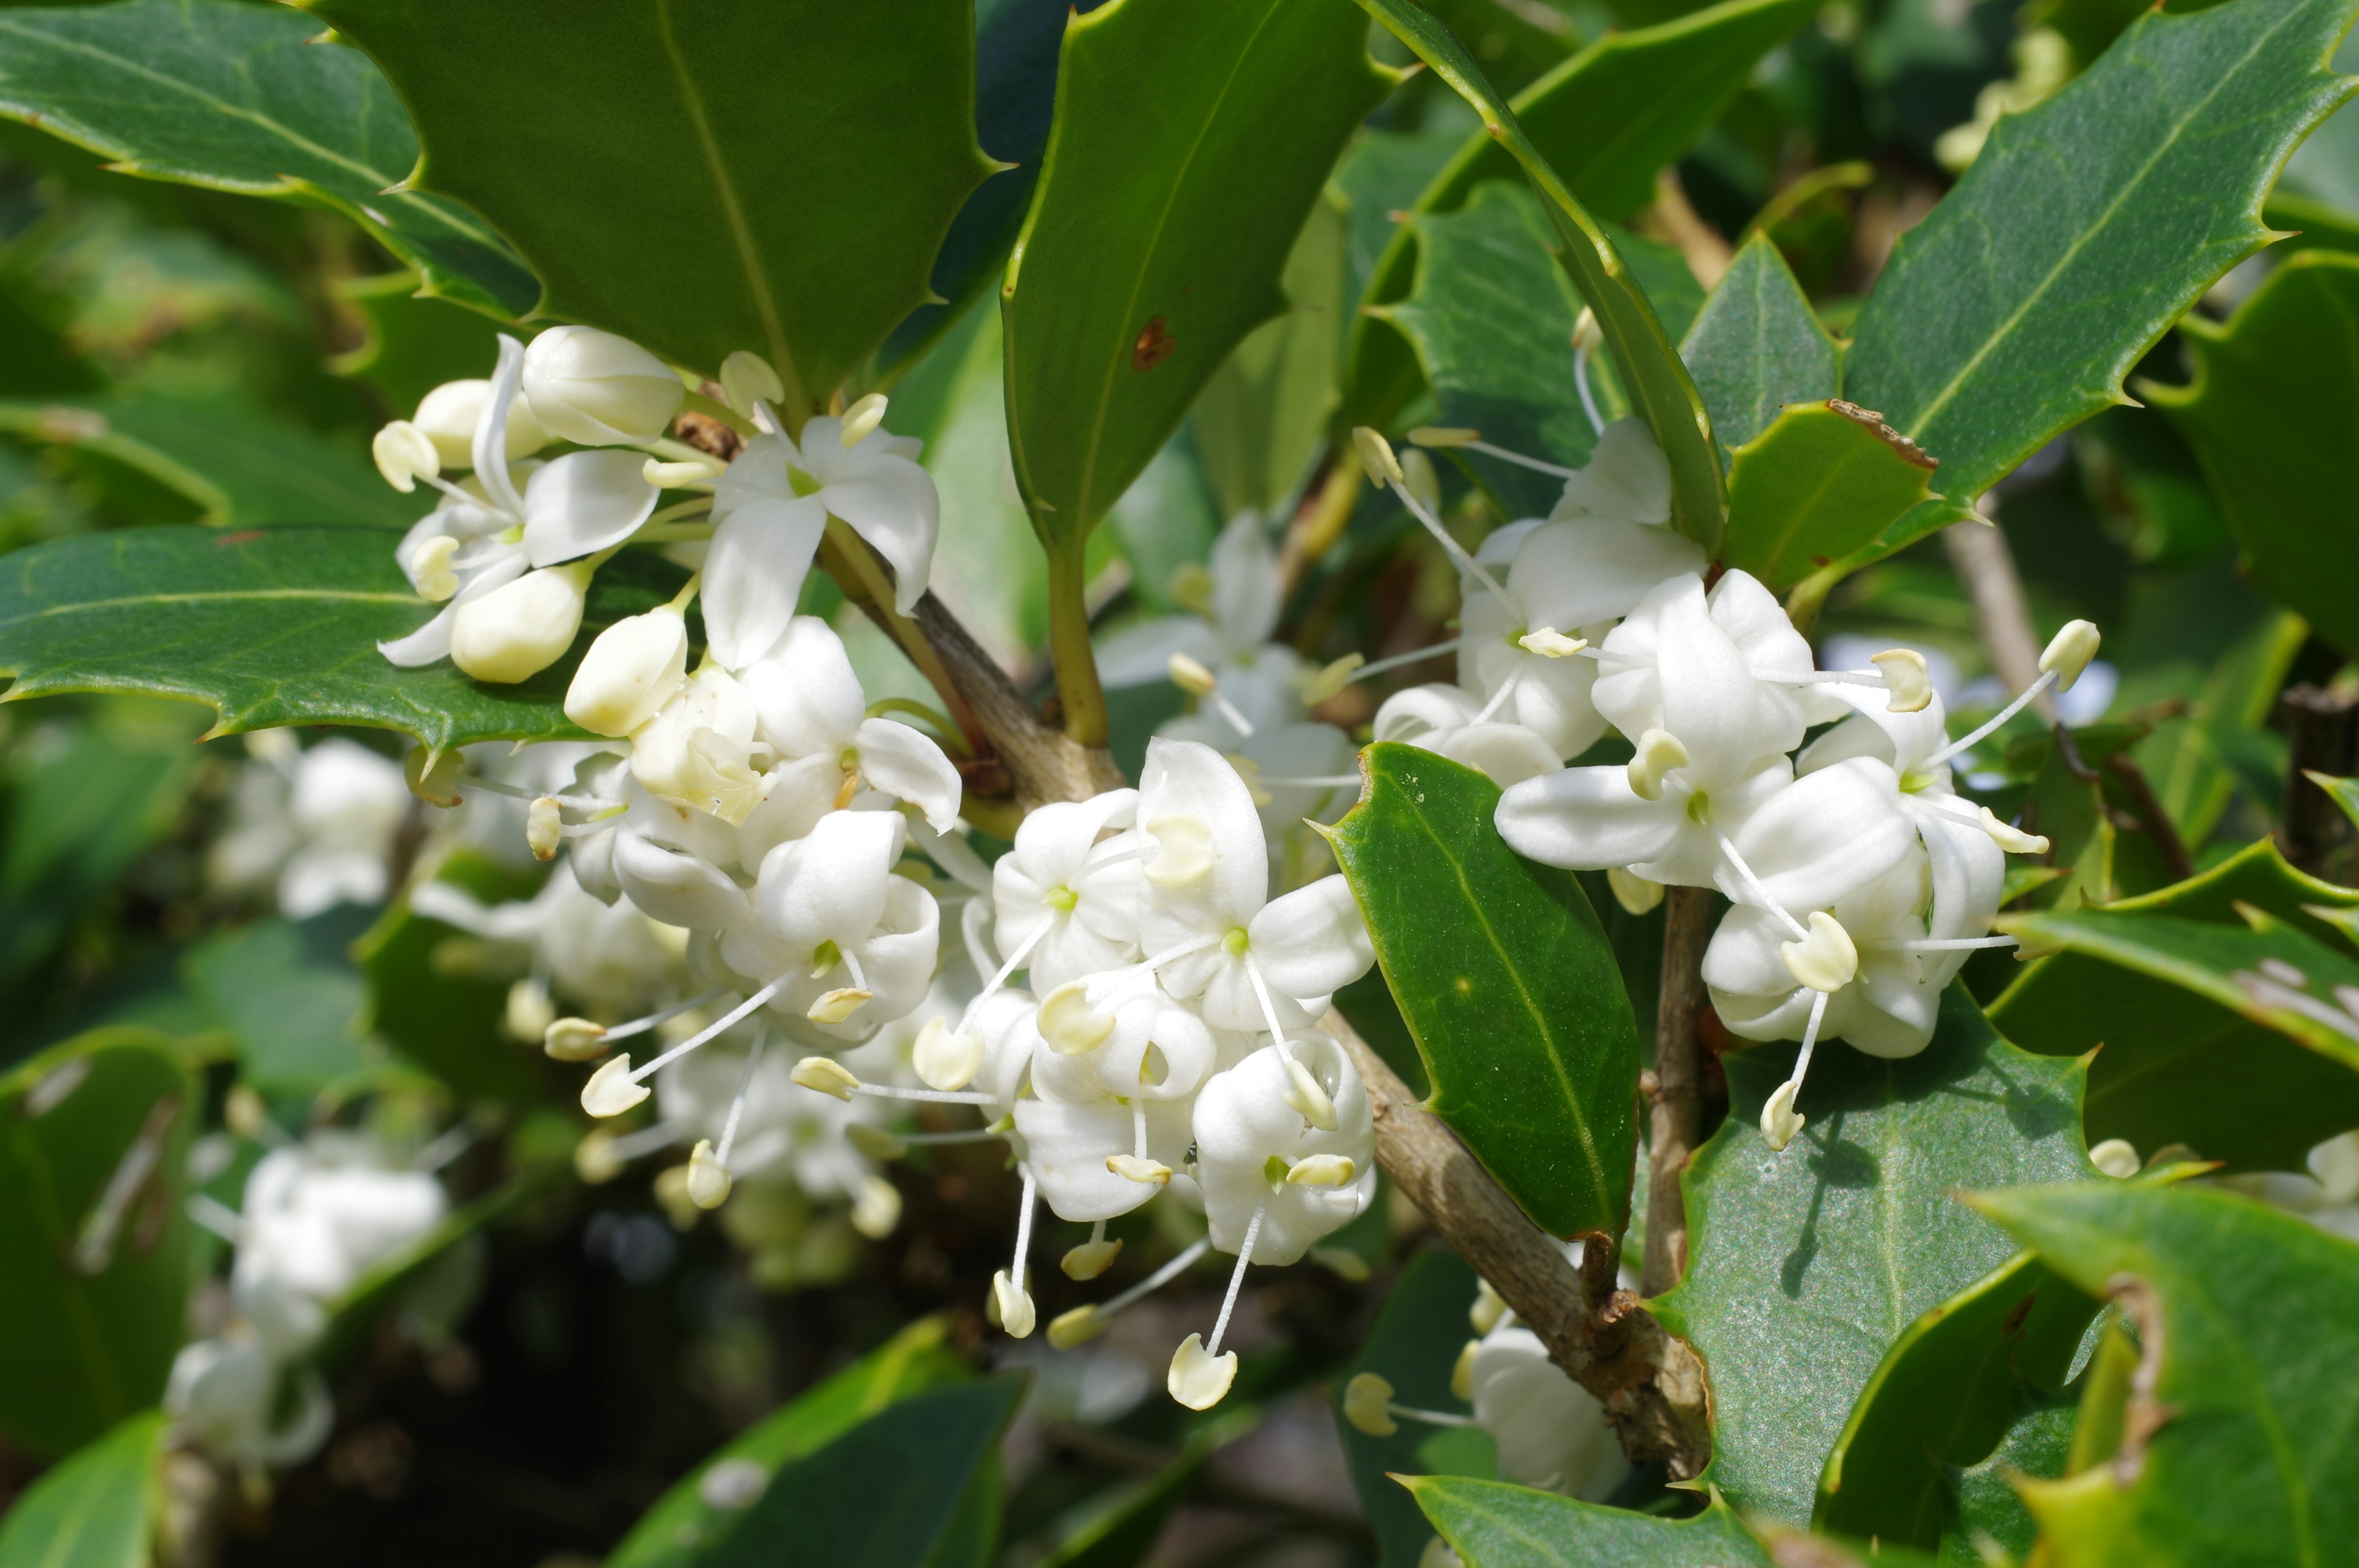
[773,505]
[784,1132]
[1626,479]
[225,1393]
[599,390]
[317,1216]
[696,748]
[809,705]
[1066,896]
[610,957]
[321,822]
[1253,1152]
[1255,679]
[1445,719]
[448,415]
[1549,1431]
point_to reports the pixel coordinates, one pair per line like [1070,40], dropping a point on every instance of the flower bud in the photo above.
[1376,457]
[1198,1380]
[629,673]
[2068,653]
[516,632]
[543,829]
[610,1091]
[1015,1305]
[946,1058]
[1825,960]
[1077,1326]
[707,1178]
[405,454]
[1086,1261]
[1367,1402]
[599,390]
[827,1075]
[573,1040]
[745,376]
[447,417]
[433,775]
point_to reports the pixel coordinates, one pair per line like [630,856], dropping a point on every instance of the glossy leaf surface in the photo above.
[771,176]
[1506,980]
[2088,225]
[1804,1266]
[1191,139]
[94,1511]
[1414,1346]
[1822,481]
[1757,346]
[1491,1524]
[272,627]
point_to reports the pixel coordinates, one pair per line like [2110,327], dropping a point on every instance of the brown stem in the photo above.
[1674,1114]
[1650,1383]
[2154,820]
[1985,566]
[2323,722]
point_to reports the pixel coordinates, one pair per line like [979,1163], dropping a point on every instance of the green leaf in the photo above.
[774,177]
[445,1018]
[682,1528]
[235,97]
[412,343]
[2240,1449]
[239,468]
[1757,346]
[885,1495]
[274,627]
[2086,228]
[2272,412]
[1607,120]
[1491,1524]
[1414,1346]
[93,1156]
[1193,139]
[1804,1266]
[1506,980]
[95,1510]
[289,993]
[1823,480]
[2182,1062]
[1123,1533]
[2343,792]
[1649,369]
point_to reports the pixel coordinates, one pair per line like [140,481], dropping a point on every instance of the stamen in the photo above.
[741,1011]
[1237,1279]
[1946,944]
[1535,464]
[218,1217]
[1456,552]
[1180,1264]
[737,1102]
[1414,656]
[1753,885]
[1990,726]
[1014,961]
[1498,697]
[1085,1324]
[1580,354]
[641,1025]
[454,1142]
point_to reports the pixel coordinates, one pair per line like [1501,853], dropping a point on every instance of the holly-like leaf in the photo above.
[2343,792]
[2272,412]
[1650,372]
[1823,480]
[275,626]
[2238,1443]
[1803,1266]
[1505,978]
[1757,346]
[1414,1345]
[2190,1057]
[94,1157]
[1491,1524]
[683,1528]
[2086,228]
[771,175]
[236,97]
[95,1510]
[239,468]
[1192,138]
[1607,120]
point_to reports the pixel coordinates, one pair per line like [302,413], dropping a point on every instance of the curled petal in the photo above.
[584,502]
[754,573]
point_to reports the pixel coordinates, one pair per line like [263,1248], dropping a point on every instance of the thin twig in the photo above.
[1985,566]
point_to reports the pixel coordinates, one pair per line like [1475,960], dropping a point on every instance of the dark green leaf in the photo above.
[239,468]
[682,1528]
[2088,225]
[2240,1449]
[2178,1066]
[1516,46]
[274,627]
[1649,369]
[1804,1266]
[767,175]
[95,1510]
[885,1494]
[1491,1524]
[289,993]
[445,1019]
[1124,1533]
[412,343]
[1506,980]
[1192,138]
[1757,346]
[1823,480]
[93,1156]
[2272,412]
[1414,1346]
[235,97]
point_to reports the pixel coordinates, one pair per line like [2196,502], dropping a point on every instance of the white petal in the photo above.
[424,646]
[677,888]
[1588,819]
[1823,837]
[1185,779]
[1506,755]
[909,766]
[1578,573]
[754,573]
[584,502]
[1247,595]
[1140,654]
[1626,477]
[832,885]
[1312,941]
[891,503]
[805,692]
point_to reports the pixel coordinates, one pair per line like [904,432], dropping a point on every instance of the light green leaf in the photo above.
[774,177]
[1757,346]
[1414,1346]
[683,1530]
[1804,1266]
[2086,228]
[2344,793]
[1650,370]
[1506,980]
[2240,1448]
[93,1155]
[1491,1524]
[289,993]
[1193,139]
[1822,481]
[274,627]
[2178,1066]
[95,1510]
[2273,412]
[1607,120]
[239,468]
[235,97]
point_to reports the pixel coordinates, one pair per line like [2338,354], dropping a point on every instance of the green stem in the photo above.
[723,411]
[952,740]
[1078,691]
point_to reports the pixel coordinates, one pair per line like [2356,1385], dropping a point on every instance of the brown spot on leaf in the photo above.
[1884,433]
[1154,346]
[2014,1324]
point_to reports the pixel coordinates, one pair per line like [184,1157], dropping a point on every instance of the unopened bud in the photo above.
[1077,1326]
[629,673]
[1367,1405]
[835,1006]
[1087,1262]
[1332,678]
[861,418]
[826,1074]
[1419,478]
[599,390]
[1444,436]
[745,376]
[2068,653]
[595,1160]
[1376,457]
[1308,1099]
[1779,1119]
[1130,1167]
[574,1039]
[707,1178]
[874,1142]
[1069,1023]
[946,1058]
[2116,1157]
[544,826]
[876,1209]
[1321,1171]
[611,1091]
[405,454]
[1906,679]
[1197,1380]
[1014,1303]
[1551,643]
[2011,838]
[1633,892]
[1825,960]
[431,570]
[1190,676]
[434,776]
[1659,752]
[517,631]
[447,417]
